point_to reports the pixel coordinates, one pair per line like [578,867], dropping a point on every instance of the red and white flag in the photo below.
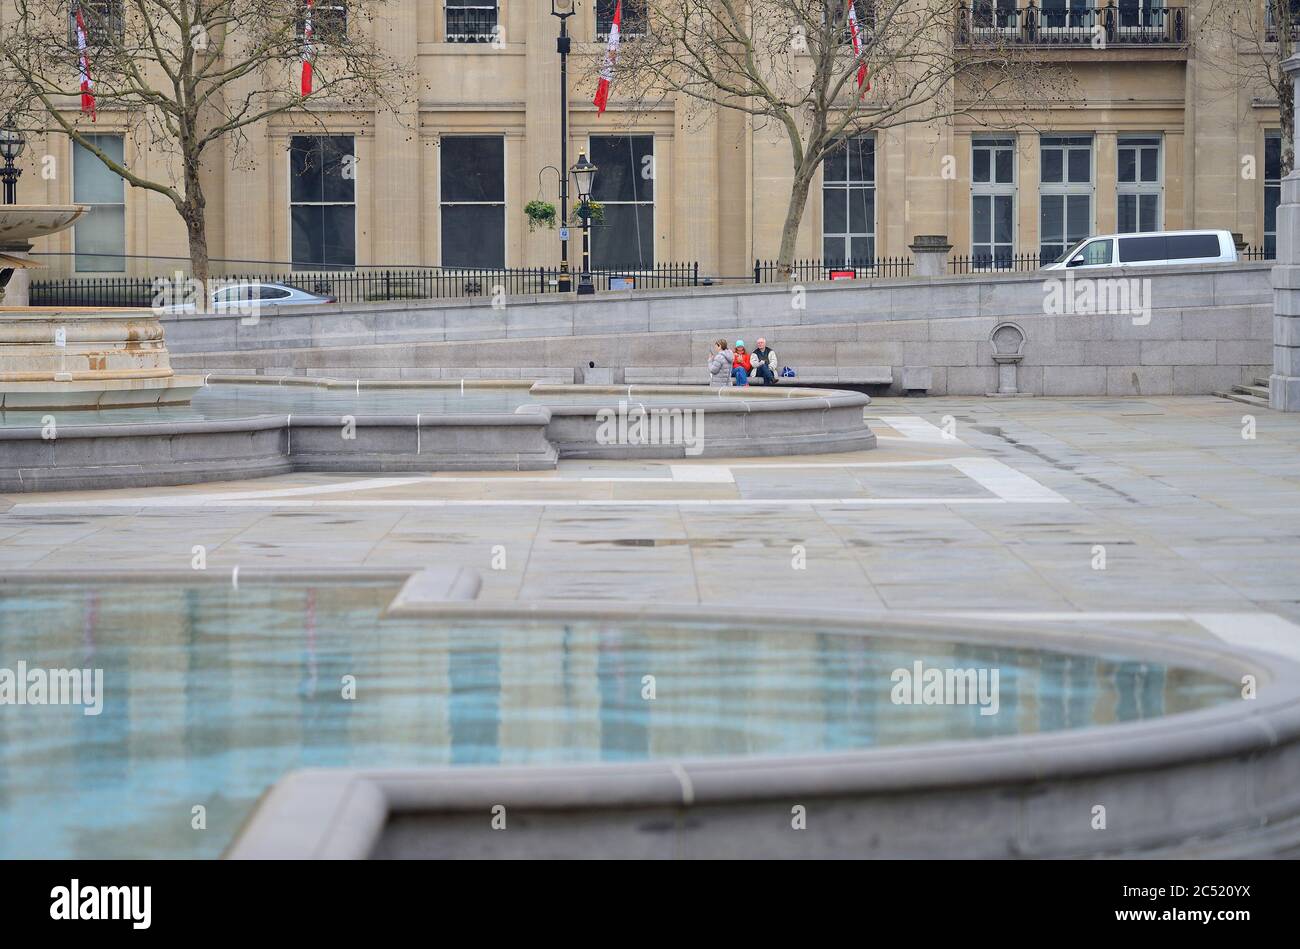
[307,51]
[856,35]
[611,54]
[83,60]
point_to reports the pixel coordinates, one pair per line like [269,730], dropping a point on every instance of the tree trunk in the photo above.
[193,211]
[793,217]
[1286,105]
[1285,89]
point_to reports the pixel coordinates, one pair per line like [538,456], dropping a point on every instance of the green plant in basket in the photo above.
[540,214]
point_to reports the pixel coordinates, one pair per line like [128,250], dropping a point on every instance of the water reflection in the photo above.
[211,694]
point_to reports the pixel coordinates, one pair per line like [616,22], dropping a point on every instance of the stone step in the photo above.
[1243,397]
[1261,382]
[1259,392]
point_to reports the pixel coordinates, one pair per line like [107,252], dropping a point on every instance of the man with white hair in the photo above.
[764,362]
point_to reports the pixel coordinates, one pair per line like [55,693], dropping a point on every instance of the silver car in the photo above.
[254,294]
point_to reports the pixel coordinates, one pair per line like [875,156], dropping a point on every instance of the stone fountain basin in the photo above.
[22,222]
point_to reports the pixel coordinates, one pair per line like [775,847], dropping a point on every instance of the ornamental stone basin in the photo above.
[19,224]
[22,222]
[68,358]
[86,359]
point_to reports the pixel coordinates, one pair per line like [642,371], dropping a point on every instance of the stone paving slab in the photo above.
[1191,514]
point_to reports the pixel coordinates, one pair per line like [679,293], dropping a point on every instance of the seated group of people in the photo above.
[739,366]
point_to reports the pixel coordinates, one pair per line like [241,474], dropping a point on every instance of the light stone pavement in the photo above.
[1005,516]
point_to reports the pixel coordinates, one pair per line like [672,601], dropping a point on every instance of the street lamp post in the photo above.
[563,9]
[11,146]
[584,172]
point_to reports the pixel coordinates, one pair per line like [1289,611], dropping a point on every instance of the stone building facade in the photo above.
[1157,136]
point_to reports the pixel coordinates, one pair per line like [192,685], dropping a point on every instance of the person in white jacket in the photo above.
[720,363]
[764,363]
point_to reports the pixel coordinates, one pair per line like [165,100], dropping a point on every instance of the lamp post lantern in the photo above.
[584,173]
[12,144]
[563,9]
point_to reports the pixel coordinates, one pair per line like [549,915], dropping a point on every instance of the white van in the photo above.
[1149,249]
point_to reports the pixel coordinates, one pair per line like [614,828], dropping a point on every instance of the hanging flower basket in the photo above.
[540,214]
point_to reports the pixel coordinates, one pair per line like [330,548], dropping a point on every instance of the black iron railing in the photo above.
[1257,253]
[366,284]
[992,263]
[807,271]
[1071,23]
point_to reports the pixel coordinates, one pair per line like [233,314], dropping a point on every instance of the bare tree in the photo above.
[792,62]
[183,75]
[1252,38]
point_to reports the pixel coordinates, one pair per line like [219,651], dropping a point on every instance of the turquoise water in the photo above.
[211,694]
[225,401]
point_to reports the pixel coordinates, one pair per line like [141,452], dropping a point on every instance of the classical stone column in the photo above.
[1284,383]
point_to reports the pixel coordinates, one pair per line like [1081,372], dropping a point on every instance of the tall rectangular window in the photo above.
[329,21]
[1065,193]
[849,203]
[104,20]
[1139,183]
[1279,14]
[633,23]
[1272,188]
[471,21]
[473,200]
[625,188]
[993,14]
[993,201]
[1067,14]
[99,236]
[322,201]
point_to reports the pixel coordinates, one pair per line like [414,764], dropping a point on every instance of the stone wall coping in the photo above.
[716,290]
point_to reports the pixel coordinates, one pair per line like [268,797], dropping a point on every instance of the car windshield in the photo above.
[1071,249]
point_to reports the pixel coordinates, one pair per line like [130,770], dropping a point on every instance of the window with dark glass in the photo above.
[849,203]
[1136,250]
[633,23]
[473,200]
[1063,14]
[329,21]
[322,201]
[104,20]
[1272,188]
[993,201]
[1192,246]
[1065,193]
[1278,14]
[1138,185]
[471,21]
[994,14]
[625,189]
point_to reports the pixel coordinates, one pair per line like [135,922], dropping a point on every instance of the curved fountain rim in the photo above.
[525,414]
[368,797]
[1220,730]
